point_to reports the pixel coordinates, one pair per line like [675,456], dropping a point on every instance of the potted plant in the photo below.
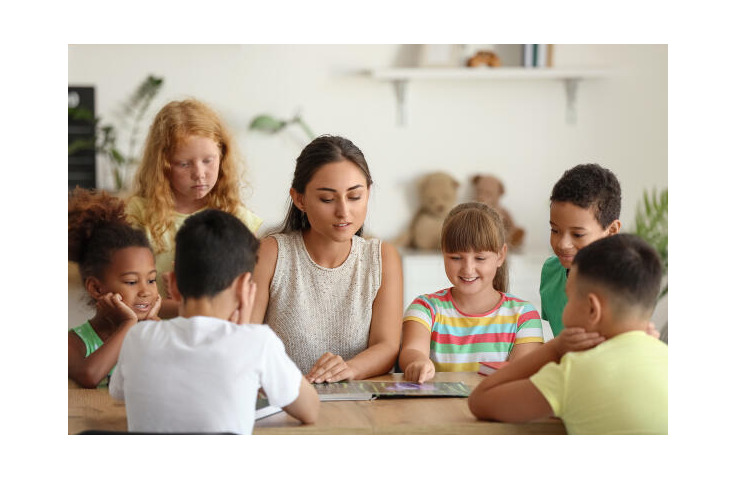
[105,141]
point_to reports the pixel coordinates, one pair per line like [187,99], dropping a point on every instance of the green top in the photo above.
[553,293]
[91,341]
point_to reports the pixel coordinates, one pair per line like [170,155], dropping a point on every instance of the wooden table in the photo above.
[94,409]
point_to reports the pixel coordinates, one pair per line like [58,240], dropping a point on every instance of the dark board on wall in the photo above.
[81,132]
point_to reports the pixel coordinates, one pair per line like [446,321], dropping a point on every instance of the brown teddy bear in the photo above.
[488,189]
[438,193]
[484,58]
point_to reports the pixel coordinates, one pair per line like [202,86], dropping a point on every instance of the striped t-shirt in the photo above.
[458,342]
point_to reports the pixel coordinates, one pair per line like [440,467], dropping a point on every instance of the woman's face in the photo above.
[194,172]
[335,200]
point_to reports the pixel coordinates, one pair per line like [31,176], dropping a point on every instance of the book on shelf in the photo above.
[263,408]
[487,368]
[536,55]
[368,390]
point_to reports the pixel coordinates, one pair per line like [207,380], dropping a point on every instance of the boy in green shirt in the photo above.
[619,384]
[584,207]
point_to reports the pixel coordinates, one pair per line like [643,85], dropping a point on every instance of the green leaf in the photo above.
[267,123]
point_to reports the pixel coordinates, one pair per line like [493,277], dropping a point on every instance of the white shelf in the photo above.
[569,76]
[484,73]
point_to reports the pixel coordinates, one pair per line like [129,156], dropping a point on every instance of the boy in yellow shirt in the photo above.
[620,386]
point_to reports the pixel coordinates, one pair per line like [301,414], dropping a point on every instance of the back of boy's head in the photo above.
[626,267]
[212,249]
[590,185]
[98,228]
[475,227]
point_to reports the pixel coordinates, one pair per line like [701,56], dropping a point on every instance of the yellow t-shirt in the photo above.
[165,258]
[618,387]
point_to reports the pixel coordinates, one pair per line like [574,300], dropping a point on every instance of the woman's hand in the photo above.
[330,368]
[110,305]
[419,371]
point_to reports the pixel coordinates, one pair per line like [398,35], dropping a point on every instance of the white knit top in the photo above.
[314,309]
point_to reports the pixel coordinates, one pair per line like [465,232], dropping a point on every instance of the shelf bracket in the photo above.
[571,87]
[400,91]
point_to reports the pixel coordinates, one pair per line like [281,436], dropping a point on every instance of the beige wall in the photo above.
[513,129]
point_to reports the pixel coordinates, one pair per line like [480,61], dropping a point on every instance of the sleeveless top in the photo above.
[314,309]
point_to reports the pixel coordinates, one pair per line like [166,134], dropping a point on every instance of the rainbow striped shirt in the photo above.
[458,342]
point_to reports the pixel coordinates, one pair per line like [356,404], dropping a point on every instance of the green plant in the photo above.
[651,224]
[106,136]
[269,124]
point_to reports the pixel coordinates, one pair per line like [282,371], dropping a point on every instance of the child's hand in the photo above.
[330,368]
[576,339]
[246,299]
[111,306]
[419,371]
[153,314]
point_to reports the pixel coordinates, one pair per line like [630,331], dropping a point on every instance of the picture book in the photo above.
[367,390]
[263,409]
[487,368]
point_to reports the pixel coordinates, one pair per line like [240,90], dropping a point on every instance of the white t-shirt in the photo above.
[200,375]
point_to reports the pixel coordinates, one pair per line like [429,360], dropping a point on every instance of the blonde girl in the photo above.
[475,320]
[117,268]
[190,162]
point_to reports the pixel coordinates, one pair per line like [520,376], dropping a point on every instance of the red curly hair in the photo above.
[174,123]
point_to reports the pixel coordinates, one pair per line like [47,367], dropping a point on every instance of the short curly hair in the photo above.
[97,229]
[590,185]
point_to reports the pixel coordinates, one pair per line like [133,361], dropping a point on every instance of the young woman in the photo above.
[332,296]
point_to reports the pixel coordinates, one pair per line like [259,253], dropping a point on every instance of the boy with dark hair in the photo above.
[584,207]
[618,387]
[200,372]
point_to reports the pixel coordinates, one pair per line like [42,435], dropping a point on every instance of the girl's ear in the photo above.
[297,198]
[614,227]
[502,256]
[94,287]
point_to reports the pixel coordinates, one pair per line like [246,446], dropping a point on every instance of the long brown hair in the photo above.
[321,151]
[174,123]
[476,227]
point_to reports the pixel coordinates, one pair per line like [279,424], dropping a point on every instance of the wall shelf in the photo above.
[400,77]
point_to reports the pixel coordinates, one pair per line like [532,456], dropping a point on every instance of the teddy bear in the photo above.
[488,189]
[484,58]
[438,193]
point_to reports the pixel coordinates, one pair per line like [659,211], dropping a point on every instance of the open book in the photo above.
[366,390]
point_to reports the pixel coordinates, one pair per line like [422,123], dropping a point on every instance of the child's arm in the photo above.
[90,371]
[509,396]
[414,357]
[307,405]
[522,349]
[386,328]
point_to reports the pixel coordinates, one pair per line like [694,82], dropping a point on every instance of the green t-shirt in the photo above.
[91,341]
[553,297]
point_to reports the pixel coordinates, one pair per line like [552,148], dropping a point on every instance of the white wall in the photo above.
[513,129]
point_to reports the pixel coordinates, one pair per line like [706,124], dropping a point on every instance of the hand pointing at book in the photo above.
[419,371]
